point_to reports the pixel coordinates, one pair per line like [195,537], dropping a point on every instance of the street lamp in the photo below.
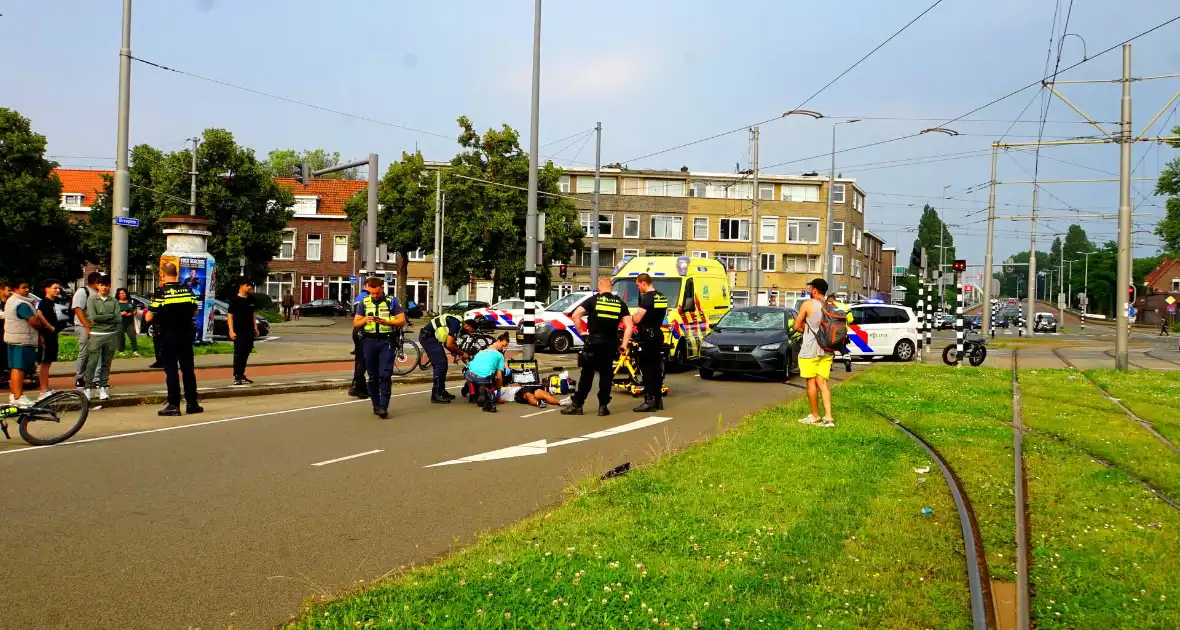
[1086,283]
[941,264]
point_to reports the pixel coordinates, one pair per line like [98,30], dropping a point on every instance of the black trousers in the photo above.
[599,360]
[438,360]
[177,356]
[243,346]
[651,365]
[359,384]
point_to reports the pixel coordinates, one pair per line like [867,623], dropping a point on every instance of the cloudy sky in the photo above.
[657,73]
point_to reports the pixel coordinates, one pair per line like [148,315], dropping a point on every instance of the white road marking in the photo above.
[347,457]
[538,413]
[201,424]
[541,447]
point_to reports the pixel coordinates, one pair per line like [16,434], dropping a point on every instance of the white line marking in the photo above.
[538,413]
[201,424]
[347,457]
[568,441]
[630,426]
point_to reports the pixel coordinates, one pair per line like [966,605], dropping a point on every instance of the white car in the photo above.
[883,330]
[504,314]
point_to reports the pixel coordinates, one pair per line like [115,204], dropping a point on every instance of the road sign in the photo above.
[1170,300]
[1131,311]
[353,278]
[127,221]
[1171,308]
[899,271]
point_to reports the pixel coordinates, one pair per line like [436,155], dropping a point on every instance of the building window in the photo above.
[799,193]
[418,255]
[667,227]
[813,264]
[735,262]
[606,185]
[700,228]
[630,226]
[857,238]
[305,205]
[632,186]
[606,223]
[340,248]
[340,289]
[279,284]
[735,229]
[741,298]
[700,254]
[803,231]
[664,188]
[766,192]
[606,258]
[698,189]
[837,232]
[858,201]
[417,291]
[837,193]
[563,183]
[744,190]
[633,253]
[1175,285]
[71,199]
[855,268]
[769,262]
[769,232]
[313,246]
[838,264]
[287,248]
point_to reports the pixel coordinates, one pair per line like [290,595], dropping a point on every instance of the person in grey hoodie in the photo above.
[102,311]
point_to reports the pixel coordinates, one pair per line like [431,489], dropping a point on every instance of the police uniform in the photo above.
[173,307]
[433,339]
[604,311]
[651,349]
[358,389]
[376,343]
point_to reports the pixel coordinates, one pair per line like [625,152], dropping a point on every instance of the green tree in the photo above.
[37,239]
[405,217]
[281,163]
[1168,228]
[929,227]
[146,242]
[487,220]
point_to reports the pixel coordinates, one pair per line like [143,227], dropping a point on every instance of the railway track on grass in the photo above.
[1147,426]
[1148,354]
[1020,481]
[983,612]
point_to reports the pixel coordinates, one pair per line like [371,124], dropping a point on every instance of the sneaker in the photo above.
[542,404]
[810,419]
[46,394]
[78,382]
[239,381]
[828,422]
[135,354]
[23,402]
[87,392]
[247,381]
[103,394]
[168,410]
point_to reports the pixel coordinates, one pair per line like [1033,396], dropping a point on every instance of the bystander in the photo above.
[102,311]
[21,322]
[50,289]
[82,325]
[243,327]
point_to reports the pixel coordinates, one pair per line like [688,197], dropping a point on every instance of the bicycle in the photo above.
[469,344]
[39,425]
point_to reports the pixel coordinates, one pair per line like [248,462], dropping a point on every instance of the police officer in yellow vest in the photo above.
[649,317]
[605,310]
[437,338]
[378,317]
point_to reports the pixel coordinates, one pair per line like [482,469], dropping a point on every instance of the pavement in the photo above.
[242,515]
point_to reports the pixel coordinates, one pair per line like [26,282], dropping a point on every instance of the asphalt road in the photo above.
[253,509]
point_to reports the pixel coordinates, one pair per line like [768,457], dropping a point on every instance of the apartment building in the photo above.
[710,215]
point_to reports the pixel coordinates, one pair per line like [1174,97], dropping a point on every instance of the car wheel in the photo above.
[679,362]
[561,342]
[707,374]
[904,350]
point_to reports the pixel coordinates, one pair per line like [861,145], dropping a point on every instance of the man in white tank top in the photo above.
[815,364]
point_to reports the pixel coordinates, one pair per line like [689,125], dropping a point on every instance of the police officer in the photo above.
[438,338]
[358,389]
[605,310]
[171,312]
[649,317]
[377,317]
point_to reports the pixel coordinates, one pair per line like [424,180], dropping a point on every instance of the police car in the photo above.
[883,330]
[504,314]
[555,329]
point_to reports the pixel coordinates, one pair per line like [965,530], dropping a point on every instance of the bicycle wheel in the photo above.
[406,356]
[423,359]
[55,419]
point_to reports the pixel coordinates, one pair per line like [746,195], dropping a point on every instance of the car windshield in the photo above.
[565,303]
[753,320]
[629,291]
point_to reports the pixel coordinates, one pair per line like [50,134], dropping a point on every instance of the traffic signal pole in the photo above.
[594,247]
[368,249]
[1122,329]
[987,259]
[121,193]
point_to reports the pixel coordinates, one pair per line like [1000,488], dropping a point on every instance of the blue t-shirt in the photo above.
[486,363]
[24,311]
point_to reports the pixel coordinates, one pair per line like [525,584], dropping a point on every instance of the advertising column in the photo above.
[187,248]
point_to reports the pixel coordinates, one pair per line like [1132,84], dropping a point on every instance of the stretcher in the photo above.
[627,376]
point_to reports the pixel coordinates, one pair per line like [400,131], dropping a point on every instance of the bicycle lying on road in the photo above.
[51,420]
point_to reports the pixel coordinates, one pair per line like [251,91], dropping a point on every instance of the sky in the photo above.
[656,73]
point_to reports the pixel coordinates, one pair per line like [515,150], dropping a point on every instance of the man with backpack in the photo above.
[825,330]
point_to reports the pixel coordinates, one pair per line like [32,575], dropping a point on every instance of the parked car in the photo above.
[555,330]
[752,340]
[459,308]
[330,308]
[882,330]
[221,321]
[504,314]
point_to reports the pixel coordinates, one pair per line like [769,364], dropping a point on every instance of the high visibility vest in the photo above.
[441,329]
[380,310]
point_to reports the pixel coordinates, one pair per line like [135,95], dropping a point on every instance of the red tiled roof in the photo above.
[332,192]
[85,182]
[1165,264]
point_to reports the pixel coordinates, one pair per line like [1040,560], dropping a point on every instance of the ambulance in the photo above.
[698,295]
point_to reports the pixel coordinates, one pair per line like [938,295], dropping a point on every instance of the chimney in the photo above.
[683,169]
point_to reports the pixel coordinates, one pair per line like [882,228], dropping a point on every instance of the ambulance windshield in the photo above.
[626,288]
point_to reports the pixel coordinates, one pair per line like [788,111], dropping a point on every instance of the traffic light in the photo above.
[1131,295]
[561,271]
[960,265]
[301,173]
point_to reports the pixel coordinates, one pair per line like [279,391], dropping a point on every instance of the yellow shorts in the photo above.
[816,366]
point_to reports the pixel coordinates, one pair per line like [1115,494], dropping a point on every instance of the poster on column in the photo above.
[197,272]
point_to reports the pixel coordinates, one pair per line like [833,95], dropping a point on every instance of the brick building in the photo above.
[1151,303]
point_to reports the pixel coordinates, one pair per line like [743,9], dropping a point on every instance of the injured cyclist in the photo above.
[533,395]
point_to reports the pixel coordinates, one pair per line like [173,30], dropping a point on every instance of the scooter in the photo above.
[974,350]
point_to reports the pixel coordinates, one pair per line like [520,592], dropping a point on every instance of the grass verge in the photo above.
[1151,395]
[68,348]
[773,524]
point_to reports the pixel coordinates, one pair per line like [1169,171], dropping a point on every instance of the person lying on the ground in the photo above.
[527,395]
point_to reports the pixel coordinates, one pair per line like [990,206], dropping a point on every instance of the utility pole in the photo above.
[371,226]
[530,223]
[755,230]
[442,253]
[1032,266]
[1122,321]
[942,249]
[1086,288]
[594,247]
[1061,282]
[437,239]
[121,201]
[991,229]
[192,195]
